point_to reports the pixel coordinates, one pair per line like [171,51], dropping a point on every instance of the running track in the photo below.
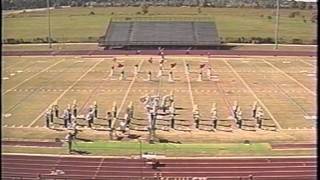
[29,167]
[155,52]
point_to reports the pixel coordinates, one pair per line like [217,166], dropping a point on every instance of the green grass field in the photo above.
[109,148]
[285,87]
[76,25]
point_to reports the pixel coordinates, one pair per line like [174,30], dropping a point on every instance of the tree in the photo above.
[199,10]
[269,17]
[294,14]
[314,18]
[145,9]
[302,5]
[74,4]
[293,4]
[309,6]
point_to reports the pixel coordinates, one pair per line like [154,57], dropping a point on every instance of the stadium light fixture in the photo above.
[277,26]
[49,24]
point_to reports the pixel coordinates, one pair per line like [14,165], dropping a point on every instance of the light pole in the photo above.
[277,26]
[49,24]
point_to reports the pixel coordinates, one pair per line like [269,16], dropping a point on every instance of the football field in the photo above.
[285,87]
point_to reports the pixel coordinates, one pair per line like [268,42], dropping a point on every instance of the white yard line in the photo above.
[189,83]
[288,76]
[127,93]
[310,64]
[253,93]
[11,65]
[64,92]
[31,77]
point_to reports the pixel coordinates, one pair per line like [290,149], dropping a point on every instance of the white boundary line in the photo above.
[189,83]
[253,93]
[288,76]
[127,93]
[130,157]
[65,91]
[308,129]
[32,77]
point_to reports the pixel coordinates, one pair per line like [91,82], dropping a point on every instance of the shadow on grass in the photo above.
[163,140]
[138,124]
[99,124]
[57,129]
[139,119]
[81,152]
[129,136]
[181,119]
[225,125]
[83,139]
[225,130]
[184,125]
[247,125]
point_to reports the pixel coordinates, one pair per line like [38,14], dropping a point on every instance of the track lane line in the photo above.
[253,93]
[98,168]
[32,77]
[64,92]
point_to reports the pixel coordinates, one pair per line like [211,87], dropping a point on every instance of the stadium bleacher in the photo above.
[161,33]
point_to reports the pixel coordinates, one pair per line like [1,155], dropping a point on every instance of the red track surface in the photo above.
[167,52]
[107,168]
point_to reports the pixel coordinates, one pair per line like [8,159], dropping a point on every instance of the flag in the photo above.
[173,65]
[120,65]
[150,60]
[202,66]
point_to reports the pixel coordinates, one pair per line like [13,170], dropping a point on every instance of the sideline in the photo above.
[182,157]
